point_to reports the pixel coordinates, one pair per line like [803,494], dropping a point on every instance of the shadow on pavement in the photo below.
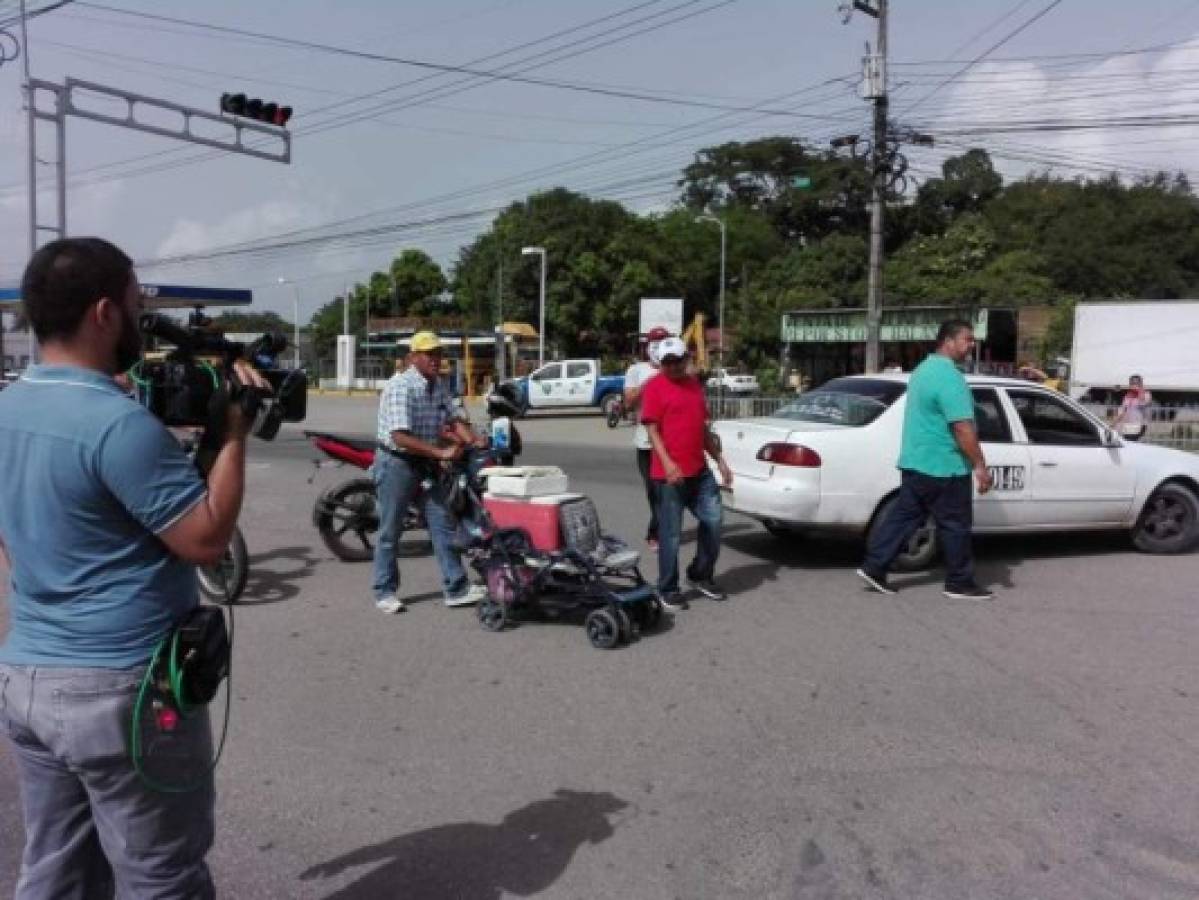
[997,557]
[265,584]
[522,855]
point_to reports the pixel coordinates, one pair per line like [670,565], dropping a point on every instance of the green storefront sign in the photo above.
[899,325]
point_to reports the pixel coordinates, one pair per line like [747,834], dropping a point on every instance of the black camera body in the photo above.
[186,387]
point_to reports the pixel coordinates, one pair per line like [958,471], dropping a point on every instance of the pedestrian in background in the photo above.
[635,380]
[675,412]
[939,449]
[1133,419]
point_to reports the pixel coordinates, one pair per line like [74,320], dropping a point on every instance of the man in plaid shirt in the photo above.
[415,412]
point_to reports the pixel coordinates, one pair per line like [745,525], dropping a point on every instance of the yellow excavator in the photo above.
[693,337]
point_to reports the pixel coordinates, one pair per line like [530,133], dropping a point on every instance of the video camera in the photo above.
[187,387]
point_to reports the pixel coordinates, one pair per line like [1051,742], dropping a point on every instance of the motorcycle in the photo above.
[346,515]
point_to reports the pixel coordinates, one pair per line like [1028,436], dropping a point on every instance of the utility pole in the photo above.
[875,65]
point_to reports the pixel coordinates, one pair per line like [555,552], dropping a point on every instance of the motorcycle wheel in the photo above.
[224,582]
[347,519]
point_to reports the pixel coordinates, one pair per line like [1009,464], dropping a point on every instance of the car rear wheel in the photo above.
[921,549]
[1169,523]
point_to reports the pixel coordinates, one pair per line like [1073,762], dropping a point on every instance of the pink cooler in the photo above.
[536,515]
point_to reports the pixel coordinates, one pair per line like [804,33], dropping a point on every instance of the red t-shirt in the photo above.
[680,411]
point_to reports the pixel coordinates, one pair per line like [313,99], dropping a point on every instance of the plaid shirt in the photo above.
[409,403]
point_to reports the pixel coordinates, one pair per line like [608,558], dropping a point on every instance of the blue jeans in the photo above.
[91,824]
[950,502]
[396,483]
[699,494]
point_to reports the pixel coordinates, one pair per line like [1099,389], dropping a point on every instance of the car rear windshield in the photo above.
[844,401]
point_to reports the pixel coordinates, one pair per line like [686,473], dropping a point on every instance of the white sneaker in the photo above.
[389,603]
[476,593]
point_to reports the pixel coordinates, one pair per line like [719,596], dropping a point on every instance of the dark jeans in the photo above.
[651,492]
[396,483]
[950,502]
[700,495]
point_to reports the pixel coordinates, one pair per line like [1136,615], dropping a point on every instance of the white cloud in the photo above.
[265,220]
[1117,87]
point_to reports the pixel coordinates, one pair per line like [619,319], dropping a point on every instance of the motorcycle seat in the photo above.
[354,443]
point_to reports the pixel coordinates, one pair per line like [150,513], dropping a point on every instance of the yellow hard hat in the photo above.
[425,342]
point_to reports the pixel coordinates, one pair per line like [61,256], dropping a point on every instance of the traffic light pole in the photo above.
[65,103]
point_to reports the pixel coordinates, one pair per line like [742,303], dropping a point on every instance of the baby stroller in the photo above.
[546,556]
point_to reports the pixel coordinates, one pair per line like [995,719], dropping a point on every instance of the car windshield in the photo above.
[844,401]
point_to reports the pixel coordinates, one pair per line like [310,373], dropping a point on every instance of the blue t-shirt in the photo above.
[88,478]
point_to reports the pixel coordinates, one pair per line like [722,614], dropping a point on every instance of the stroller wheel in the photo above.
[628,628]
[602,629]
[492,615]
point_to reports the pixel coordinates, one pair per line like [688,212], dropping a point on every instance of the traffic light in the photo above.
[253,108]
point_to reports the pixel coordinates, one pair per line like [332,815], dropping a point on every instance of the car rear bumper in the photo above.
[784,501]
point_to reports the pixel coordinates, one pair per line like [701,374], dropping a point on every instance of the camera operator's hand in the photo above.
[239,423]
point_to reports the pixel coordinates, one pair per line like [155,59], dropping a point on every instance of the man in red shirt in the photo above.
[675,413]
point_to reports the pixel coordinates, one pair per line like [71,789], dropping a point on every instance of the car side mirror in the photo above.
[1111,439]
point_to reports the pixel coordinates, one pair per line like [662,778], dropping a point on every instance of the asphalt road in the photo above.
[804,740]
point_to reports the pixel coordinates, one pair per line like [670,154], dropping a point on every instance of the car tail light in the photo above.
[790,455]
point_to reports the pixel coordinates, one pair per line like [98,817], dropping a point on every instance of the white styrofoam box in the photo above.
[527,481]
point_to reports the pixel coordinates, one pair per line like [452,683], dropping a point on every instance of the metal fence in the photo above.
[733,407]
[1170,425]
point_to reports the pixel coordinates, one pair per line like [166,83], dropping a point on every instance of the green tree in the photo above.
[761,175]
[419,283]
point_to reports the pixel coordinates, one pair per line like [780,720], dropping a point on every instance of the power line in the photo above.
[1003,40]
[339,106]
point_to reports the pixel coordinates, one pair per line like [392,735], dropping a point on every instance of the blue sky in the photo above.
[412,156]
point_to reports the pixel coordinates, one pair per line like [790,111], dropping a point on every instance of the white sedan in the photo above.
[826,462]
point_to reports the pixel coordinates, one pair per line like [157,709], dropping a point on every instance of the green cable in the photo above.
[134,372]
[216,379]
[175,677]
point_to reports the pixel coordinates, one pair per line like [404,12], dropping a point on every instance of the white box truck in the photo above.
[1156,339]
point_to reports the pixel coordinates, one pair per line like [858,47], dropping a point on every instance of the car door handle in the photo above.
[1047,464]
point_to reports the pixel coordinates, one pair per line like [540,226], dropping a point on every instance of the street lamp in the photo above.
[295,318]
[707,217]
[539,251]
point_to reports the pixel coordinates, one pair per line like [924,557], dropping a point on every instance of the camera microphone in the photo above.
[187,340]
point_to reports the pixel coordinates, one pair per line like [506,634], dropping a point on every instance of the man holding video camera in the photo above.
[103,519]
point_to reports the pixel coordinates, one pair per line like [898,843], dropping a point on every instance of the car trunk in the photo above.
[741,441]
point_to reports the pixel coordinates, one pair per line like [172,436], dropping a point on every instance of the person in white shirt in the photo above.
[635,380]
[1133,418]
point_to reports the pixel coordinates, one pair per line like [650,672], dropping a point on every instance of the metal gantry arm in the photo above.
[136,102]
[67,100]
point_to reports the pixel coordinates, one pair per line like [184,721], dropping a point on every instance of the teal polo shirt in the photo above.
[88,479]
[937,397]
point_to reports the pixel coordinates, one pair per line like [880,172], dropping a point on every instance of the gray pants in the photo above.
[91,824]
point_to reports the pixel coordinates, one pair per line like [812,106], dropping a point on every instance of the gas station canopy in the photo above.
[161,296]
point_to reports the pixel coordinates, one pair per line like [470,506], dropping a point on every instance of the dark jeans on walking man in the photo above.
[950,502]
[644,457]
[701,496]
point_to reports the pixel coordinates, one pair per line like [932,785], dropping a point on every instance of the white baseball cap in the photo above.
[671,346]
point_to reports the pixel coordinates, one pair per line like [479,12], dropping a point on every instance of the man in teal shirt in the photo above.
[939,451]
